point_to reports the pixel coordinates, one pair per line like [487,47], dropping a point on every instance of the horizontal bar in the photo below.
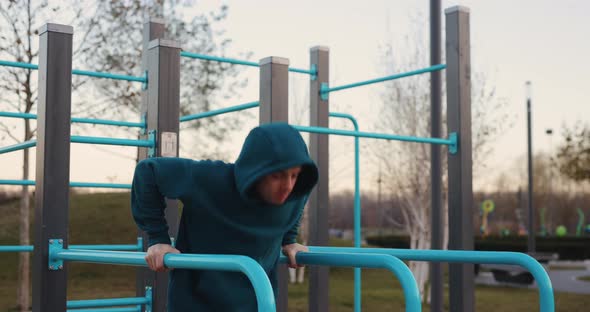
[18,147]
[547,302]
[109,122]
[393,264]
[109,75]
[100,185]
[237,62]
[111,141]
[134,309]
[373,135]
[17,182]
[18,115]
[17,248]
[111,302]
[303,71]
[72,184]
[120,247]
[246,265]
[218,59]
[19,65]
[220,111]
[31,248]
[79,72]
[80,120]
[326,90]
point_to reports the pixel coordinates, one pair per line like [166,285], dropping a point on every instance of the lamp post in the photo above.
[551,198]
[531,226]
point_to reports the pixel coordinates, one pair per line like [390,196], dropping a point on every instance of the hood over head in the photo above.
[274,147]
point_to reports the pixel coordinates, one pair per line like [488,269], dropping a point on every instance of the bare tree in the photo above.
[19,22]
[114,44]
[107,38]
[573,156]
[406,166]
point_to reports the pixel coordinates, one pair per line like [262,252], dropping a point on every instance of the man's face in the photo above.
[275,188]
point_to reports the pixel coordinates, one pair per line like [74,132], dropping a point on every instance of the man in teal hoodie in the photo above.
[252,208]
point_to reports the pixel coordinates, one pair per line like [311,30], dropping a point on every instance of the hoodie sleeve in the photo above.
[291,236]
[154,180]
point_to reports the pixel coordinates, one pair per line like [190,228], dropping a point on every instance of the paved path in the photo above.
[562,281]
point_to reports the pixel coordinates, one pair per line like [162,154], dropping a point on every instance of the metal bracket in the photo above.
[139,243]
[149,297]
[152,137]
[314,72]
[324,91]
[144,85]
[143,130]
[55,245]
[454,146]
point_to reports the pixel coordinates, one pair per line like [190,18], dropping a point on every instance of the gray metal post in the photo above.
[53,163]
[152,29]
[461,283]
[163,117]
[274,89]
[319,201]
[274,106]
[436,216]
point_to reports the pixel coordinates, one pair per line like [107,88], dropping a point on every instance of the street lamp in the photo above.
[531,226]
[550,200]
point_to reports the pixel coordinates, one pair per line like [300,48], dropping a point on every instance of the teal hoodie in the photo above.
[223,215]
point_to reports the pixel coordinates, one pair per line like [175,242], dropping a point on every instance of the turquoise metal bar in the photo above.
[238,62]
[246,265]
[111,141]
[220,111]
[72,184]
[120,247]
[18,115]
[109,122]
[109,75]
[357,207]
[393,264]
[217,59]
[80,120]
[17,182]
[134,309]
[374,135]
[22,248]
[139,245]
[78,304]
[19,65]
[79,72]
[311,72]
[324,90]
[100,185]
[18,147]
[546,298]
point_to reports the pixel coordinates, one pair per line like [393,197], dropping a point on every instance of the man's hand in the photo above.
[155,256]
[291,250]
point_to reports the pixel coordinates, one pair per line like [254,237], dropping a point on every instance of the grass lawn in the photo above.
[105,218]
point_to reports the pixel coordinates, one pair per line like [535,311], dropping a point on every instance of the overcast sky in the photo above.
[545,42]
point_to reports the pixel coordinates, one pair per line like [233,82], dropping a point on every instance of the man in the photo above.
[251,208]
